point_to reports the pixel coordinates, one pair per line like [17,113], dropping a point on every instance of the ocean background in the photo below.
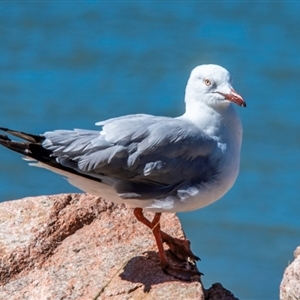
[67,65]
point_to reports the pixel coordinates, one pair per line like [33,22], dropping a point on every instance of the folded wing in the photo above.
[146,156]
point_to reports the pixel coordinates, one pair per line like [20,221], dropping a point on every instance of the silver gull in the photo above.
[154,163]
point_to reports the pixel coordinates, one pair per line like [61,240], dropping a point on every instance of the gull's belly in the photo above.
[192,198]
[200,195]
[203,194]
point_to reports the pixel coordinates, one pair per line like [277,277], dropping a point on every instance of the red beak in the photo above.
[233,96]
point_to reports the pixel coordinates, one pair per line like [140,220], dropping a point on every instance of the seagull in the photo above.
[154,163]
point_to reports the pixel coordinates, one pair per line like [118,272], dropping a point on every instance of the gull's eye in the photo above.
[207,82]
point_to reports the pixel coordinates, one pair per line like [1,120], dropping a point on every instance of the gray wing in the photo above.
[148,156]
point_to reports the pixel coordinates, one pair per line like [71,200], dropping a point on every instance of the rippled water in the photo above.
[66,65]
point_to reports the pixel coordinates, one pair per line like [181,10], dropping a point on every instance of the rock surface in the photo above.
[78,246]
[290,284]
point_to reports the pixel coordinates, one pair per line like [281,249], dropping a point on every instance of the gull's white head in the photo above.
[211,85]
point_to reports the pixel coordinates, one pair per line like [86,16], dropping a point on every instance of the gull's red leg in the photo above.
[157,234]
[186,272]
[138,213]
[155,227]
[180,248]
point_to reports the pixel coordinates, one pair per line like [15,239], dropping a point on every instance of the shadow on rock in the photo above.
[146,270]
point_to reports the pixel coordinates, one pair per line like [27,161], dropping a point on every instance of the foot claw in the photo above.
[180,248]
[187,273]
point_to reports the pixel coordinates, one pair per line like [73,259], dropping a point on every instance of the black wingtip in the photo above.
[4,138]
[25,136]
[20,147]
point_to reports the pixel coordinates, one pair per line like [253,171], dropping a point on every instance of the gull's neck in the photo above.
[209,119]
[222,124]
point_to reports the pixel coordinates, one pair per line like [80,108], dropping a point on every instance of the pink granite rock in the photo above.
[79,246]
[290,284]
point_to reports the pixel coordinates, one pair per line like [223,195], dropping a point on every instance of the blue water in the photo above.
[70,64]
